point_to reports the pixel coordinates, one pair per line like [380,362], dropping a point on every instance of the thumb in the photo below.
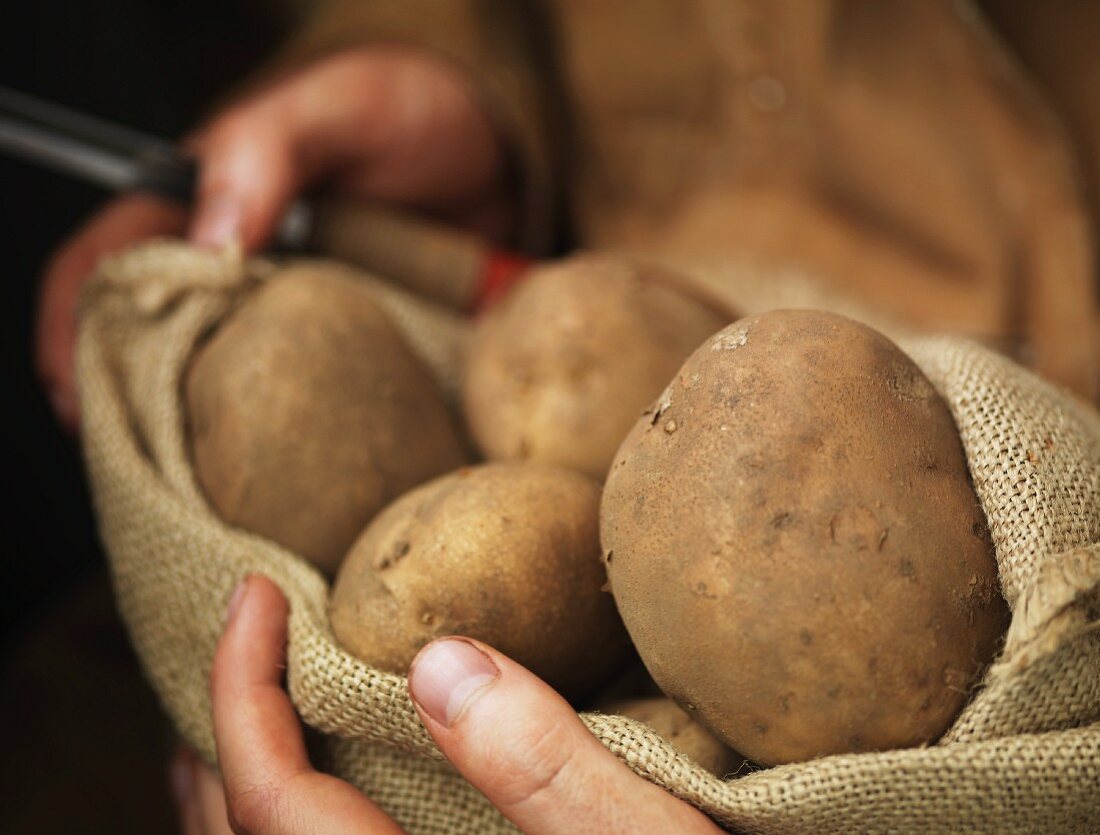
[259,154]
[248,177]
[522,745]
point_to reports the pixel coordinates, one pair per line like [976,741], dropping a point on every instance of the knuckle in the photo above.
[254,810]
[538,766]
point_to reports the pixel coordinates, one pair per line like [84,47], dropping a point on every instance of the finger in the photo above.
[392,124]
[259,155]
[200,799]
[55,334]
[212,811]
[181,779]
[248,177]
[526,750]
[122,222]
[254,722]
[270,786]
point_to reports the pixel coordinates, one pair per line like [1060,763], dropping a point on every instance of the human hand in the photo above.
[504,730]
[392,124]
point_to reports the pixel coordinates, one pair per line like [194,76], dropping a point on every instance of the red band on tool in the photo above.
[499,272]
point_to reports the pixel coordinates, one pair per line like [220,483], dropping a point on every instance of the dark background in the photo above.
[84,747]
[151,64]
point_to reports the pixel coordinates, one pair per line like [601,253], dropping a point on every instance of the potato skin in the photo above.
[559,370]
[795,547]
[307,413]
[678,728]
[506,553]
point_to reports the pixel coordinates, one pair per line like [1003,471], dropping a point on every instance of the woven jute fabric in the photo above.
[1024,755]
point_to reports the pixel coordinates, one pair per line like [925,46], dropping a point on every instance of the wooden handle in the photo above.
[456,268]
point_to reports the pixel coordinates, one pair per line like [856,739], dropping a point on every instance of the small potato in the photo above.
[308,413]
[683,732]
[560,369]
[505,553]
[795,547]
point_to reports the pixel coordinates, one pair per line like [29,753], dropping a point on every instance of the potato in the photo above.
[795,547]
[559,370]
[308,413]
[505,553]
[679,729]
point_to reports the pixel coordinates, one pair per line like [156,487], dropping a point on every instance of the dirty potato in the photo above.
[795,547]
[560,369]
[307,413]
[506,553]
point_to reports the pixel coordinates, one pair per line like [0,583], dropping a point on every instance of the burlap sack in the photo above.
[1024,755]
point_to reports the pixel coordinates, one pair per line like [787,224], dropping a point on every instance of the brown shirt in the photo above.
[898,151]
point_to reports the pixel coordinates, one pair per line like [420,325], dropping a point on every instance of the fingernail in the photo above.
[236,599]
[218,223]
[181,778]
[448,676]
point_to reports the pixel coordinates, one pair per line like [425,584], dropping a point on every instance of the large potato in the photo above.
[505,553]
[795,547]
[560,369]
[308,413]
